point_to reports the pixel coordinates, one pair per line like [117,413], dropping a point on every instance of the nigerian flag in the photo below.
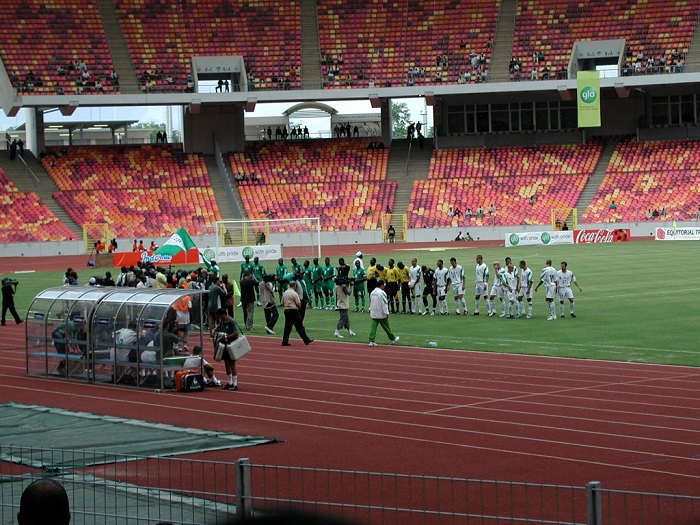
[180,241]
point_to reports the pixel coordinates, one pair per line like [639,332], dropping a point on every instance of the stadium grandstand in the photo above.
[498,75]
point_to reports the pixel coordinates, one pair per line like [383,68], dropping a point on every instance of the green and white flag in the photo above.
[180,241]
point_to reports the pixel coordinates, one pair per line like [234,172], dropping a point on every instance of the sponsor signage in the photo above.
[268,252]
[539,238]
[588,99]
[677,234]
[601,235]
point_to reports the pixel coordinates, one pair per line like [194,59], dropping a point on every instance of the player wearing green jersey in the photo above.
[280,272]
[317,282]
[359,276]
[327,275]
[259,274]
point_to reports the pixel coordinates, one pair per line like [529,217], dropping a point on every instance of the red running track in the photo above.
[425,411]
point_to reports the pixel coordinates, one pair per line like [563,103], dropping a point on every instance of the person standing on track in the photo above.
[379,313]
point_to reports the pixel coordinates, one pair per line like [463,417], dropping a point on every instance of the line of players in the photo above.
[411,288]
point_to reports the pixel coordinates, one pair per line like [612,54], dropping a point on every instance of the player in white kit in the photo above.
[481,285]
[548,277]
[565,279]
[457,280]
[442,277]
[496,289]
[525,291]
[415,277]
[511,285]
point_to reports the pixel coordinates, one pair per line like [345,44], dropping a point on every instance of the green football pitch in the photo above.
[638,304]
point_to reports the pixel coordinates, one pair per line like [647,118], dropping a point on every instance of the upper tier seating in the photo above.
[384,43]
[141,191]
[652,29]
[505,178]
[162,38]
[339,180]
[24,218]
[647,176]
[40,37]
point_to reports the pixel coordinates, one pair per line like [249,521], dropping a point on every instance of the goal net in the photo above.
[300,238]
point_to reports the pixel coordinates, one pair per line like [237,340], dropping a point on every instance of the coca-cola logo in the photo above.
[602,235]
[660,234]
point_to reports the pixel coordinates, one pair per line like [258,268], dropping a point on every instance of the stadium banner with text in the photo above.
[190,256]
[588,99]
[267,252]
[539,238]
[601,235]
[677,234]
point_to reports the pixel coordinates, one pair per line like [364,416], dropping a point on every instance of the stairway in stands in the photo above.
[406,166]
[227,209]
[44,187]
[310,52]
[128,83]
[502,49]
[594,182]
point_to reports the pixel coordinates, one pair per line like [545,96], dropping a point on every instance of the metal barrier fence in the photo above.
[125,489]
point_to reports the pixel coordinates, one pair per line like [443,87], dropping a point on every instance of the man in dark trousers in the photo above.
[9,287]
[248,286]
[292,318]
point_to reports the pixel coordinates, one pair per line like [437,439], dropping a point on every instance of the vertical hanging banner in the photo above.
[588,99]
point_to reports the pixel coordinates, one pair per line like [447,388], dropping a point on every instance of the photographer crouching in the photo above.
[9,287]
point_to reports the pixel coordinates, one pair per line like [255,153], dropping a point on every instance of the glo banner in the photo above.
[267,252]
[539,238]
[588,99]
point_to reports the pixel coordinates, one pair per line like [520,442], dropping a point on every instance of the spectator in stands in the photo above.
[649,214]
[44,501]
[190,84]
[697,213]
[480,212]
[219,86]
[492,209]
[612,206]
[450,212]
[655,214]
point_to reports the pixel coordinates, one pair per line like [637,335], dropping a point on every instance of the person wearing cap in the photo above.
[292,318]
[358,258]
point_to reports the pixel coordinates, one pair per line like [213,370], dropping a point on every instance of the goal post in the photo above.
[300,237]
[561,216]
[93,232]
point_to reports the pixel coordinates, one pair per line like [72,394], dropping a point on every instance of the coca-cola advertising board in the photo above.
[601,235]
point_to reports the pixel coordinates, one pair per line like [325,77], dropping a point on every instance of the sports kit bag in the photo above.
[189,381]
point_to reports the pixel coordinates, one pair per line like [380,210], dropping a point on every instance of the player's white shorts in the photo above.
[480,289]
[457,289]
[550,292]
[524,293]
[497,291]
[510,296]
[565,292]
[441,291]
[416,291]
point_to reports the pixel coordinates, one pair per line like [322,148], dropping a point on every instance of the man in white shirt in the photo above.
[548,277]
[415,276]
[442,277]
[565,278]
[457,279]
[525,289]
[379,313]
[481,284]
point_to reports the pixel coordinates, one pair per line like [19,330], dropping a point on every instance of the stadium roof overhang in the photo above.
[86,125]
[652,84]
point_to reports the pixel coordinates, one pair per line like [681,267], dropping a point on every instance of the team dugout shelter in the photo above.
[120,336]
